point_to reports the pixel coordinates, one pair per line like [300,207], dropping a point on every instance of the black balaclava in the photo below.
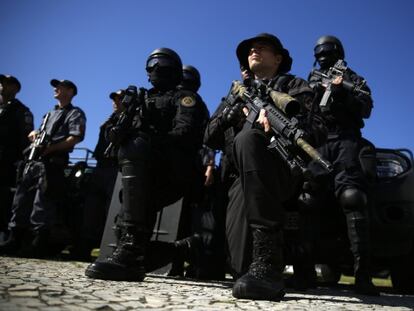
[164,69]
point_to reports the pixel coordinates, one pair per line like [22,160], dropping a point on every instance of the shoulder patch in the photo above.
[188,101]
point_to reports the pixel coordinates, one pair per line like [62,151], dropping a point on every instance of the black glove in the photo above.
[233,115]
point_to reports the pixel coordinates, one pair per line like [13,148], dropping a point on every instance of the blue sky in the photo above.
[103,45]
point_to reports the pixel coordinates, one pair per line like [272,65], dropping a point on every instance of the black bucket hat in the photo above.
[243,49]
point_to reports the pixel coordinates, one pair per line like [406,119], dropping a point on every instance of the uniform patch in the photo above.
[188,101]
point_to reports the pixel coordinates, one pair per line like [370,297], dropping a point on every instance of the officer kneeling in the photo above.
[158,141]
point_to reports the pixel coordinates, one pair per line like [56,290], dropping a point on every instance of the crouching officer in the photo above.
[348,103]
[62,128]
[266,181]
[157,146]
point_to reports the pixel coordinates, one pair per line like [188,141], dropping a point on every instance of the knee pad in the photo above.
[353,199]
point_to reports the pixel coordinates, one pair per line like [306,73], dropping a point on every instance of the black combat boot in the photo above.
[358,234]
[127,261]
[264,279]
[14,242]
[38,246]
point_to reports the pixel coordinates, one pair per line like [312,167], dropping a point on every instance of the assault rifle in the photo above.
[288,136]
[38,145]
[337,70]
[130,102]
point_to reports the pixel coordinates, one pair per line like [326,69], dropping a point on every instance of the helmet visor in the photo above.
[160,62]
[325,48]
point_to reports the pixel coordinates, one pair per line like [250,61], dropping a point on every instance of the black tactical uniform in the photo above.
[156,155]
[206,244]
[220,136]
[200,233]
[100,189]
[47,180]
[16,122]
[344,119]
[265,183]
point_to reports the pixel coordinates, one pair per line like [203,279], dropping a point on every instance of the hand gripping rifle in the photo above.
[131,102]
[38,145]
[337,70]
[288,136]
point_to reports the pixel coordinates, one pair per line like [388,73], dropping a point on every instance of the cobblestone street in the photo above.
[27,284]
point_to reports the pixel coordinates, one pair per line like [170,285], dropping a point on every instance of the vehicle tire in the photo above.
[329,274]
[402,273]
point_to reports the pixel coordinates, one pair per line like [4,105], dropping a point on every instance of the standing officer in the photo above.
[101,186]
[223,126]
[265,178]
[344,119]
[65,127]
[201,217]
[157,149]
[16,122]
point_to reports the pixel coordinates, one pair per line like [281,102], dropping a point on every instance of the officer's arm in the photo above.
[214,133]
[362,104]
[188,121]
[357,103]
[65,145]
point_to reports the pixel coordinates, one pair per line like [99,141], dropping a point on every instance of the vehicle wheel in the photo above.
[402,273]
[329,274]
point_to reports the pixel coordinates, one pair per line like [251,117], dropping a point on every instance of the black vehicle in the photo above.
[392,225]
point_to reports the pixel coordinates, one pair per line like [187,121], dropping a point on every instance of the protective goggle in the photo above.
[188,76]
[325,48]
[160,62]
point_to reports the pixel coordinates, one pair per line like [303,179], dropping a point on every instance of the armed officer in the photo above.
[101,187]
[265,181]
[156,154]
[344,112]
[16,122]
[223,126]
[31,223]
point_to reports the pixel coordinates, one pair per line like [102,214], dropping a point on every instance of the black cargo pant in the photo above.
[343,152]
[154,176]
[42,212]
[256,198]
[7,182]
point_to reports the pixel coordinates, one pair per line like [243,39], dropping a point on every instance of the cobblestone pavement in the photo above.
[27,284]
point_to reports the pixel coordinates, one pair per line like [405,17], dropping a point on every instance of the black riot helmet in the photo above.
[191,78]
[328,50]
[164,69]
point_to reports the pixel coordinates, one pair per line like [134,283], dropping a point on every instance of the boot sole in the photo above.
[97,274]
[244,291]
